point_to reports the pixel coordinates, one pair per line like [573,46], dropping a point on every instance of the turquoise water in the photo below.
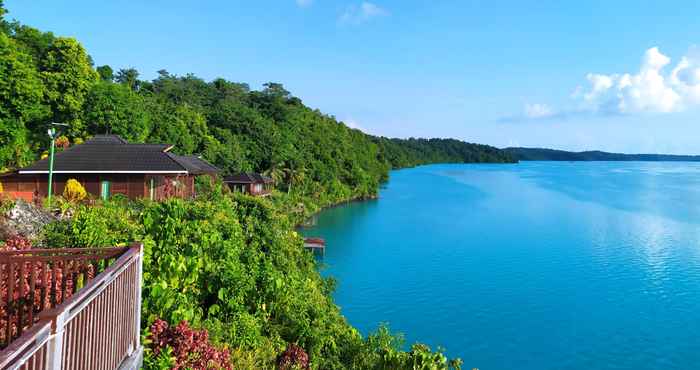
[539,265]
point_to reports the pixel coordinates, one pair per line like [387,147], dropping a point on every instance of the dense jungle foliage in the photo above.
[233,265]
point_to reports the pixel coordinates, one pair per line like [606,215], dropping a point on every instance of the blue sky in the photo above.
[610,75]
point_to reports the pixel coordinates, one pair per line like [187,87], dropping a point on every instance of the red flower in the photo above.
[191,347]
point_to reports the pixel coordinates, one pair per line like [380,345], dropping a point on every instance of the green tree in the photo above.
[106,73]
[68,76]
[272,101]
[276,173]
[114,108]
[180,125]
[128,77]
[4,25]
[188,89]
[33,41]
[21,88]
[224,150]
[14,144]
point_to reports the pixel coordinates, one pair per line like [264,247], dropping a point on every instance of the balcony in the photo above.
[71,308]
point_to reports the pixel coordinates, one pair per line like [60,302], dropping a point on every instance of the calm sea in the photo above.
[539,265]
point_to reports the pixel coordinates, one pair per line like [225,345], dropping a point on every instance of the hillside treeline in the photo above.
[47,78]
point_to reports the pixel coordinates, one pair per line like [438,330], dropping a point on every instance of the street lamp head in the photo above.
[52,130]
[52,134]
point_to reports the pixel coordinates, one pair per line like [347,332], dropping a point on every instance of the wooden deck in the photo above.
[315,244]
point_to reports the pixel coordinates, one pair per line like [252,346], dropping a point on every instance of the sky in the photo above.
[620,76]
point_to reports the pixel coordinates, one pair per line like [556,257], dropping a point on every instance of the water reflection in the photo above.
[673,187]
[529,266]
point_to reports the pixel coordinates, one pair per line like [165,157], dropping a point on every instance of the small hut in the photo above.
[250,183]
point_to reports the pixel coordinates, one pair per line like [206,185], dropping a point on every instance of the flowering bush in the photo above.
[294,357]
[74,191]
[16,243]
[62,142]
[184,348]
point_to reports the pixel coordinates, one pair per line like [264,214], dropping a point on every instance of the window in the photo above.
[105,190]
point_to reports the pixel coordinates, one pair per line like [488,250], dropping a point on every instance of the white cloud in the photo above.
[686,77]
[356,14]
[304,3]
[651,89]
[531,112]
[353,124]
[599,84]
[538,111]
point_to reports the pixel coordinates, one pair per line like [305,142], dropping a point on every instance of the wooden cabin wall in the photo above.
[19,187]
[25,186]
[133,186]
[168,186]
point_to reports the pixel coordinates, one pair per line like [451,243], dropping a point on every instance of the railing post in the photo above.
[55,348]
[139,278]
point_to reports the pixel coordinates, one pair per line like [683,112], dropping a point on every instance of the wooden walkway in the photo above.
[315,244]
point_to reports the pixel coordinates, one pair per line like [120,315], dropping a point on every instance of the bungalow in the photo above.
[250,182]
[107,165]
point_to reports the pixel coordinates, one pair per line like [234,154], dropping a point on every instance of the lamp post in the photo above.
[52,134]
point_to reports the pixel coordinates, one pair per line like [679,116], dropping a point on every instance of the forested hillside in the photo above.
[413,152]
[49,78]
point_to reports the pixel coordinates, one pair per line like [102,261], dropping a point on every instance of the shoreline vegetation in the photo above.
[227,268]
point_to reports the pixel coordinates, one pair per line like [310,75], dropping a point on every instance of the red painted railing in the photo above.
[71,308]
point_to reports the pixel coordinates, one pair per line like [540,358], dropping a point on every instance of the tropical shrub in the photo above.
[6,204]
[182,347]
[110,224]
[293,358]
[74,191]
[208,188]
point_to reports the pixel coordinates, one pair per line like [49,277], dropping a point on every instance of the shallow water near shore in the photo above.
[537,265]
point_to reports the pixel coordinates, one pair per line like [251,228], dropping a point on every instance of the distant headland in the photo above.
[541,154]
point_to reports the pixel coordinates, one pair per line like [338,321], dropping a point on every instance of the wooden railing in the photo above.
[34,280]
[72,308]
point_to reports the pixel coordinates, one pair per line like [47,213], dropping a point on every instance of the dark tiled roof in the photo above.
[111,153]
[247,178]
[106,139]
[194,164]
